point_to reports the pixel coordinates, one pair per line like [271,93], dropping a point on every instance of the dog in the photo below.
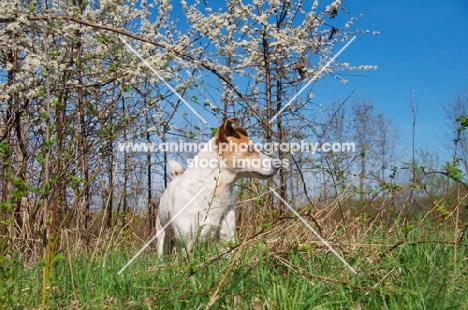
[227,157]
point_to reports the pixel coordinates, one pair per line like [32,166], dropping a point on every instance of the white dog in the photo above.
[229,156]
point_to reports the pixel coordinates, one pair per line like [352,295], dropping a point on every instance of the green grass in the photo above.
[269,272]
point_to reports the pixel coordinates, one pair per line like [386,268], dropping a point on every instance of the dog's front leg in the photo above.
[227,227]
[160,238]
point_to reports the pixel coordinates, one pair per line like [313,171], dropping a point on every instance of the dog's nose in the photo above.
[271,169]
[275,170]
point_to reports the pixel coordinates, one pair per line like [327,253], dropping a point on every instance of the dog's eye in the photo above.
[251,148]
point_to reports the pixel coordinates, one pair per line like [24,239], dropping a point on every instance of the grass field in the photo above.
[421,265]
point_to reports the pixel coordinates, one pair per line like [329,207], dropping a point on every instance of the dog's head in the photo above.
[239,153]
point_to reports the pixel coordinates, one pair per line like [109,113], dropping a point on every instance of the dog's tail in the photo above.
[176,169]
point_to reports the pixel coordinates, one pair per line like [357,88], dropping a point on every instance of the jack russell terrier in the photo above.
[227,157]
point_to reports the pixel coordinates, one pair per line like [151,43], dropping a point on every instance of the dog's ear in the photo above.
[226,130]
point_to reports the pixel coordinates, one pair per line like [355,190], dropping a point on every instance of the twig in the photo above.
[215,295]
[213,260]
[300,271]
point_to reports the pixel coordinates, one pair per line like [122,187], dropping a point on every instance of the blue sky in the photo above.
[422,51]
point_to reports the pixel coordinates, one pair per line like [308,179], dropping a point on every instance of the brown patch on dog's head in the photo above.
[239,154]
[226,130]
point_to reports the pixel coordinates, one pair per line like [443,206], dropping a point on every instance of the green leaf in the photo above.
[76,180]
[50,142]
[127,88]
[55,103]
[58,258]
[463,120]
[102,38]
[32,6]
[7,206]
[40,157]
[41,92]
[18,194]
[53,54]
[112,68]
[453,172]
